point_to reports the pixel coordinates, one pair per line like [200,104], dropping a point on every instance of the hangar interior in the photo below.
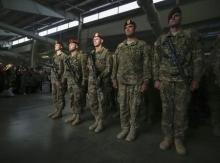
[28,29]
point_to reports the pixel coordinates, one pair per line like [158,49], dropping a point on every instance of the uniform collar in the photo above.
[60,53]
[178,34]
[75,53]
[131,44]
[100,51]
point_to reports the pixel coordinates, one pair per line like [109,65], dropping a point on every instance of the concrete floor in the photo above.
[27,135]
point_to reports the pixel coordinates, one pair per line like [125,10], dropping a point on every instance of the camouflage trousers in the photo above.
[129,98]
[175,97]
[75,93]
[99,101]
[58,96]
[214,105]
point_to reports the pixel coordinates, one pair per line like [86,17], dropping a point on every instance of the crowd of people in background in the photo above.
[16,79]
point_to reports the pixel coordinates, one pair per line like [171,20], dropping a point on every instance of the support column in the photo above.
[33,53]
[80,28]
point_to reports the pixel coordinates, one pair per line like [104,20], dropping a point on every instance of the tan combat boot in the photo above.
[132,134]
[76,121]
[123,133]
[99,127]
[52,113]
[94,125]
[166,143]
[180,148]
[57,115]
[70,119]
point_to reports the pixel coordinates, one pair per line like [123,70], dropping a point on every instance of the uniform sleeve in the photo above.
[108,68]
[115,65]
[61,67]
[84,60]
[216,61]
[147,63]
[197,56]
[65,67]
[156,60]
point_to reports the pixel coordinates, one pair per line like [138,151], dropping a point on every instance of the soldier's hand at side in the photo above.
[143,87]
[194,85]
[99,80]
[83,83]
[63,81]
[114,84]
[157,84]
[58,82]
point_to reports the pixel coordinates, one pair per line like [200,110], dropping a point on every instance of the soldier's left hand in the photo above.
[99,80]
[194,85]
[143,87]
[83,84]
[115,84]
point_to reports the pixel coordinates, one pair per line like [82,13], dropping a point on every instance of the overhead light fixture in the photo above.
[45,57]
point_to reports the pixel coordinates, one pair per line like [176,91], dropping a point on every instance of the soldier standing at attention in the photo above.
[99,83]
[212,75]
[56,78]
[177,70]
[130,75]
[75,75]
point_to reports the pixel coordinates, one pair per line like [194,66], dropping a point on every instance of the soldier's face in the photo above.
[97,41]
[72,47]
[57,47]
[129,30]
[175,20]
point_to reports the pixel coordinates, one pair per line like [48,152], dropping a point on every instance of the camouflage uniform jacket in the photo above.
[215,62]
[79,62]
[131,63]
[103,62]
[189,55]
[59,64]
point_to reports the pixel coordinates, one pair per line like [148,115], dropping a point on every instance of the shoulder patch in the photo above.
[120,45]
[142,42]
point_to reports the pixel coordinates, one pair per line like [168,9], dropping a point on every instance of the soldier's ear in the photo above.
[102,40]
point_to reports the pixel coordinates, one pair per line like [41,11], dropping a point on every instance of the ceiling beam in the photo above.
[7,33]
[152,15]
[29,6]
[25,33]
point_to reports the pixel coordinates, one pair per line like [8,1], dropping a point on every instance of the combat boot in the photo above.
[132,134]
[99,127]
[52,113]
[70,119]
[94,125]
[166,143]
[123,133]
[57,115]
[77,120]
[216,130]
[180,148]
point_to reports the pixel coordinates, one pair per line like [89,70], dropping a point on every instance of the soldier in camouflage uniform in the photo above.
[130,75]
[99,82]
[212,75]
[56,78]
[75,75]
[10,79]
[175,78]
